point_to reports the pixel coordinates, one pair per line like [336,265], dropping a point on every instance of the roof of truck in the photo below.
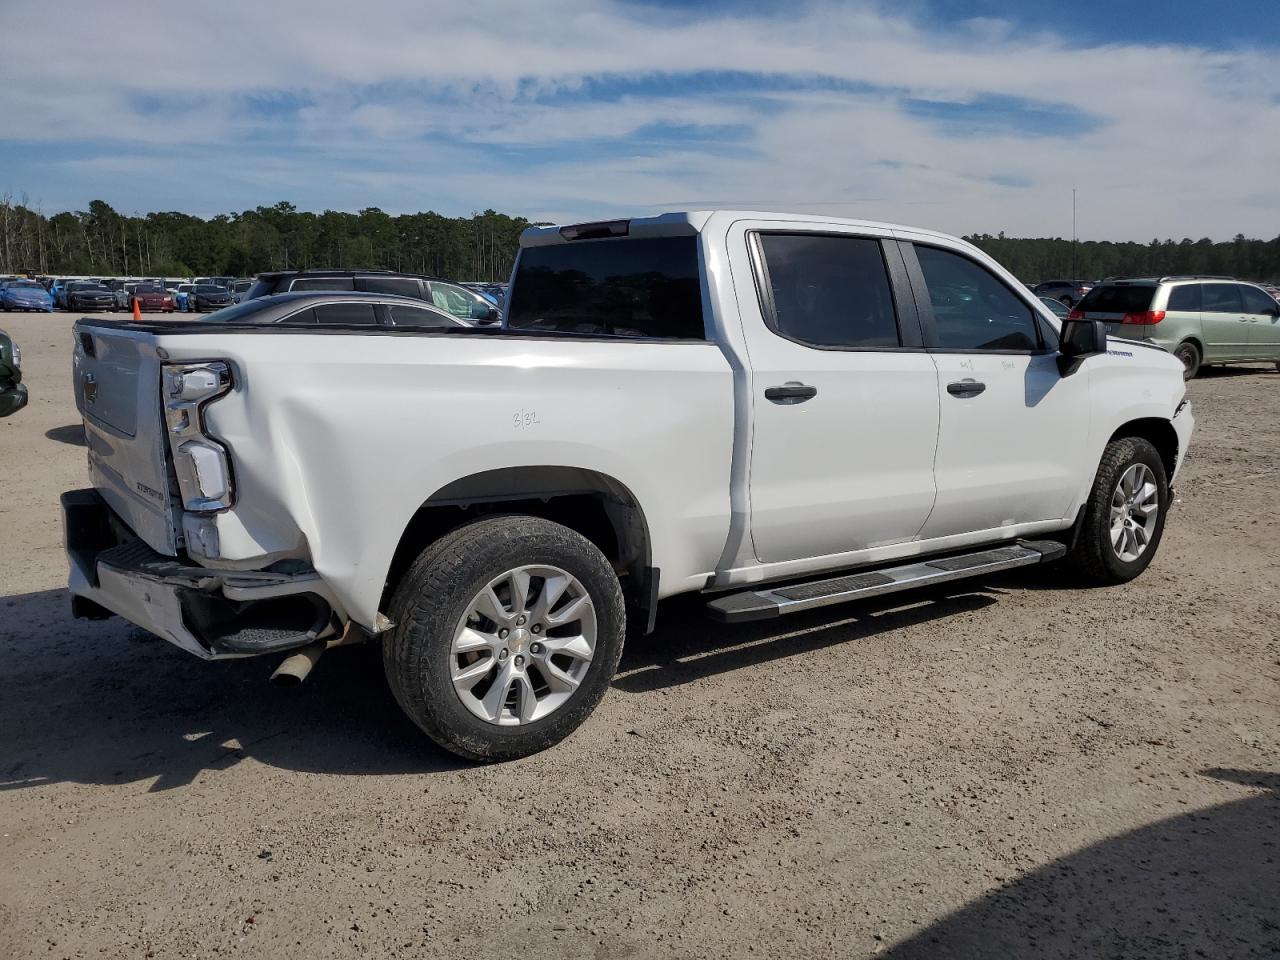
[684,223]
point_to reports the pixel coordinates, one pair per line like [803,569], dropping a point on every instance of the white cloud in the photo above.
[489,104]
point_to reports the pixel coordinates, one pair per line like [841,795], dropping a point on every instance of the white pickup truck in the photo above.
[777,411]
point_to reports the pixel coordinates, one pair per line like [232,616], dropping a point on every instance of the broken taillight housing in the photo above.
[201,463]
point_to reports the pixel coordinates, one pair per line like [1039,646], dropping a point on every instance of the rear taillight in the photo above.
[1076,314]
[1145,317]
[201,463]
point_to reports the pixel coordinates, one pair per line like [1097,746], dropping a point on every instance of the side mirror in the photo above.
[485,314]
[1077,340]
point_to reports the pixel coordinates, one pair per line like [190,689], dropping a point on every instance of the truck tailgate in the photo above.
[116,378]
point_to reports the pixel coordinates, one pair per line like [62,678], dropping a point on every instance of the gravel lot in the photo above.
[1014,768]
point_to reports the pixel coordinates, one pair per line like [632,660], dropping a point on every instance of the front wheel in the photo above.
[507,634]
[1189,354]
[1124,516]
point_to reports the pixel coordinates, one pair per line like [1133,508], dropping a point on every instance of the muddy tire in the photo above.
[1124,516]
[507,634]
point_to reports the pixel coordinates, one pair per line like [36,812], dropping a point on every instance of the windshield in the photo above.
[208,288]
[25,285]
[625,288]
[148,288]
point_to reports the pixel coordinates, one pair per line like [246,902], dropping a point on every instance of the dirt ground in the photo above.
[1015,768]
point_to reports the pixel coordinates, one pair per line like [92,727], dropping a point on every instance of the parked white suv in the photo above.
[777,411]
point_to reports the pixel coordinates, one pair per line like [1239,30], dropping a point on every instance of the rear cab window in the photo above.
[644,287]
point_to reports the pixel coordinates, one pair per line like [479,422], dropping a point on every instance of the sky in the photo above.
[960,115]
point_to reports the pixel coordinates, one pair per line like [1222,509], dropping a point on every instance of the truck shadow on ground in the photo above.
[687,647]
[1204,884]
[103,702]
[72,433]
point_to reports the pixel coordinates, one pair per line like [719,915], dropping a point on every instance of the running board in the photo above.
[776,601]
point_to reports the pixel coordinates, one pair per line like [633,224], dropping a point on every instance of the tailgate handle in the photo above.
[966,388]
[791,392]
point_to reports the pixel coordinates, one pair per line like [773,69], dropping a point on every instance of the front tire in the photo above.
[1124,516]
[1189,354]
[507,634]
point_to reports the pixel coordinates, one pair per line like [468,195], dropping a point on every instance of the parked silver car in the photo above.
[1200,320]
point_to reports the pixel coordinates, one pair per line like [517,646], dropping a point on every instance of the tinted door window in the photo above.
[459,301]
[972,310]
[626,288]
[323,283]
[1222,298]
[346,313]
[828,291]
[1185,298]
[404,286]
[404,315]
[1255,301]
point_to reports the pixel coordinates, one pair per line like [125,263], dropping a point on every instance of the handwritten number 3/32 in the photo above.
[523,419]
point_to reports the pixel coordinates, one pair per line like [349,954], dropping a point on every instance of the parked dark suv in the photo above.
[1069,292]
[450,297]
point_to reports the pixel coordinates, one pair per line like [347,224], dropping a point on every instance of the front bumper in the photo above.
[213,614]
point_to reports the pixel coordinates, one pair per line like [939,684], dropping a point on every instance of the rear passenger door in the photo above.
[1013,431]
[1225,325]
[844,398]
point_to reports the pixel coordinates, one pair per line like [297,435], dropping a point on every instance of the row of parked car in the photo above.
[1202,320]
[473,302]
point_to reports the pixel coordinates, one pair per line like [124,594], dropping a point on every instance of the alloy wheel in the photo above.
[1135,510]
[524,645]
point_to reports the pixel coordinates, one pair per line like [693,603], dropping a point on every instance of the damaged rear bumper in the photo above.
[213,614]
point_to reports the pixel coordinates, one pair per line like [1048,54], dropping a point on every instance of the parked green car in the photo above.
[13,392]
[1200,320]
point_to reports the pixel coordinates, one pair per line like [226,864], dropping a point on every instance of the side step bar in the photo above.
[776,601]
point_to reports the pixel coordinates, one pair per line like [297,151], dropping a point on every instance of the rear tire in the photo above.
[522,702]
[1189,354]
[1116,542]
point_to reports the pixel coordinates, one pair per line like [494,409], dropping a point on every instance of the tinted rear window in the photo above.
[1186,297]
[1117,299]
[1222,298]
[625,288]
[829,291]
[346,313]
[404,286]
[323,283]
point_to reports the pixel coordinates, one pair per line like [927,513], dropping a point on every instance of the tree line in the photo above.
[103,241]
[1058,259]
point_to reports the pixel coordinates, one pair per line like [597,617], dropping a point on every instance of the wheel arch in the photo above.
[1159,433]
[598,506]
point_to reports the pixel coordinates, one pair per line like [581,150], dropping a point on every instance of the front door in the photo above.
[844,398]
[1012,431]
[1264,323]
